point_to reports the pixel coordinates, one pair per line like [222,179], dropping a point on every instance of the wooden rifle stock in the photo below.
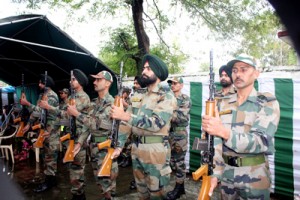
[69,156]
[106,166]
[40,140]
[205,186]
[20,132]
[20,119]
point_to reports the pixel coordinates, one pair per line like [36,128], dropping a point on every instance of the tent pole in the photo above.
[42,45]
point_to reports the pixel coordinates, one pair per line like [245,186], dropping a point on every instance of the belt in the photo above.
[244,161]
[98,139]
[179,128]
[148,139]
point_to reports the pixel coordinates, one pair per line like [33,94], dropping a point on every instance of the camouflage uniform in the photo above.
[77,166]
[151,114]
[51,143]
[99,123]
[220,94]
[241,163]
[178,136]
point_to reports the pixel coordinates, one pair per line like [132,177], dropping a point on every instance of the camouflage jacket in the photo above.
[97,119]
[151,113]
[220,94]
[252,127]
[36,110]
[82,104]
[181,115]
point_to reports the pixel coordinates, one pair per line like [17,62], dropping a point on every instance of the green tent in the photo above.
[31,45]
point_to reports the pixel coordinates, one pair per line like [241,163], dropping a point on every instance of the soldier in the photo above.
[178,137]
[63,122]
[99,123]
[226,82]
[148,118]
[82,100]
[244,137]
[64,95]
[51,142]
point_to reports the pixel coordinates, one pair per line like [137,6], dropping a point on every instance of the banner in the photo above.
[285,163]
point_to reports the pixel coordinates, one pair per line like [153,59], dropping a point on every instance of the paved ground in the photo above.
[26,174]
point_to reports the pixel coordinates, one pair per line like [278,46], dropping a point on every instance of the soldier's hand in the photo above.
[213,185]
[119,113]
[24,102]
[72,111]
[26,128]
[46,134]
[44,104]
[76,149]
[116,153]
[213,126]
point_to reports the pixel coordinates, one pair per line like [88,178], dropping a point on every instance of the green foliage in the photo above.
[122,45]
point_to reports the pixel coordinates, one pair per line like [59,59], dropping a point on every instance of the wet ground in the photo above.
[26,175]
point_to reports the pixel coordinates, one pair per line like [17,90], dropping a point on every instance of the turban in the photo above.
[159,68]
[50,82]
[227,70]
[80,77]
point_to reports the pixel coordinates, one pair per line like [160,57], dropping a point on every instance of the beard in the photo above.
[225,83]
[146,80]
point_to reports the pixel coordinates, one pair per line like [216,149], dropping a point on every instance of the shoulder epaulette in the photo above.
[266,97]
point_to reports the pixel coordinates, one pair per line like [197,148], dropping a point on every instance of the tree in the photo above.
[224,17]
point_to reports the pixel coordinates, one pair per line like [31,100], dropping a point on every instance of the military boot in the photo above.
[79,197]
[176,193]
[50,181]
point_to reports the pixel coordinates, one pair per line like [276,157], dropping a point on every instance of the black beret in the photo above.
[50,82]
[159,68]
[80,77]
[227,70]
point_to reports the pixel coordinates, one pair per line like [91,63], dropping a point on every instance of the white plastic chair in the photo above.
[6,147]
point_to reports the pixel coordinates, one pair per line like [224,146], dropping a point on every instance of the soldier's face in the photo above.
[243,75]
[136,85]
[74,83]
[99,84]
[225,79]
[41,85]
[176,87]
[148,76]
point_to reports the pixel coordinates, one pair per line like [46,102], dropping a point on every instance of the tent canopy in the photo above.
[31,45]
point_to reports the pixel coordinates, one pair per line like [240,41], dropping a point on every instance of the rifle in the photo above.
[69,156]
[43,120]
[111,142]
[24,113]
[207,144]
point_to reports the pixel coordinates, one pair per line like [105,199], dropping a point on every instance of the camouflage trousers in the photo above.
[51,148]
[178,151]
[106,184]
[151,169]
[77,172]
[249,182]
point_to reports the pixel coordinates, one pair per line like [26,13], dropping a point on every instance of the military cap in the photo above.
[176,80]
[242,58]
[103,74]
[80,77]
[159,68]
[65,90]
